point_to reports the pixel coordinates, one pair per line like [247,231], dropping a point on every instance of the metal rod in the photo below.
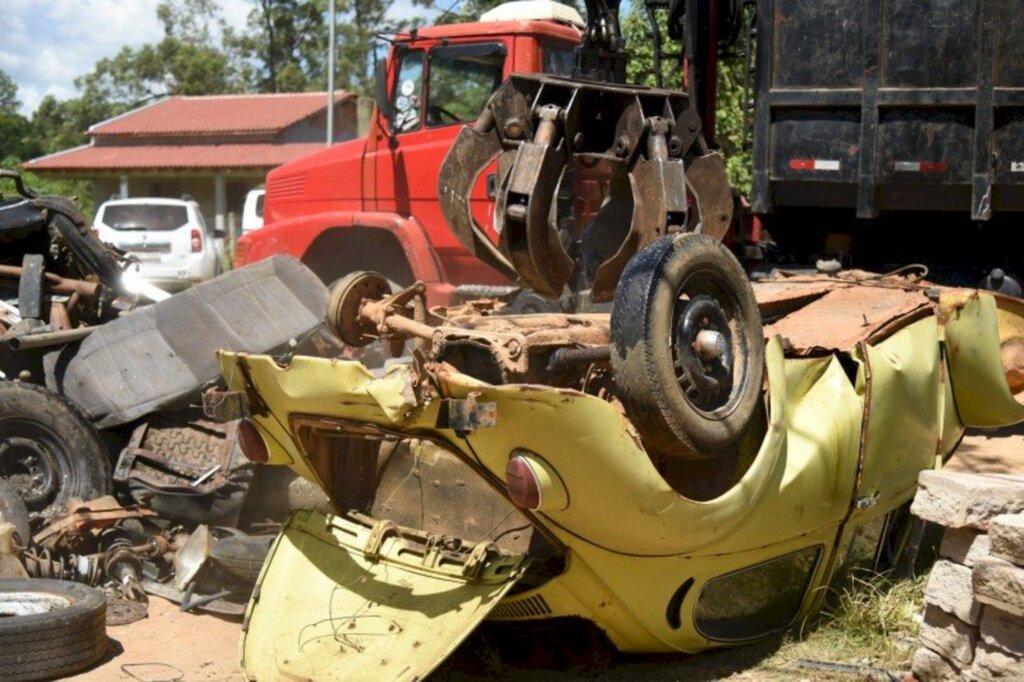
[564,358]
[331,48]
[46,339]
[57,284]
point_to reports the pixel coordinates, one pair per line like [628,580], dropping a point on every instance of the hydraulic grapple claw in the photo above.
[559,139]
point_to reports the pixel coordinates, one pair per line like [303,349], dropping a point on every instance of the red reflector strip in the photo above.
[921,166]
[814,164]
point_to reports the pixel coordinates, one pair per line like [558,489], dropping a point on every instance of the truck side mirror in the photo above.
[381,93]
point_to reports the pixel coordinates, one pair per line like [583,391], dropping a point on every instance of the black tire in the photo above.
[48,451]
[661,291]
[14,512]
[242,555]
[47,644]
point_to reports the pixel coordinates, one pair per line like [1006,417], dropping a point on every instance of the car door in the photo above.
[434,93]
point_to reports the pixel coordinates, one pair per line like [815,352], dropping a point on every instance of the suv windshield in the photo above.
[460,80]
[145,216]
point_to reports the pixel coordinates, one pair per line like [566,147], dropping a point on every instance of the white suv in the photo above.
[168,238]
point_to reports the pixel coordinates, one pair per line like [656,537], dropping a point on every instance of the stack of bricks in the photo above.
[973,624]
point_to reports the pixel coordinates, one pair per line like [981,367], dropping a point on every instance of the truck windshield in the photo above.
[161,217]
[461,79]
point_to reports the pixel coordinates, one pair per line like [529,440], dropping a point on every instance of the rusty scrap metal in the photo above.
[56,283]
[48,339]
[85,518]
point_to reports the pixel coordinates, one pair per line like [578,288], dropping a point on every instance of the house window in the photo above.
[758,600]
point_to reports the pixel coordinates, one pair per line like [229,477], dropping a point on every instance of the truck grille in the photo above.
[530,607]
[287,186]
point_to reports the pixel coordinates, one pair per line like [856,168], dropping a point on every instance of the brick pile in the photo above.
[973,624]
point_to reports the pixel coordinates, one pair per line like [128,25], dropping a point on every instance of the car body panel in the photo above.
[342,600]
[848,430]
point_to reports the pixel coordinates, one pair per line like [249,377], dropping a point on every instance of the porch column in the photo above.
[124,187]
[220,203]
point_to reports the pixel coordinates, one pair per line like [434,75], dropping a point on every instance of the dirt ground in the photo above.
[170,645]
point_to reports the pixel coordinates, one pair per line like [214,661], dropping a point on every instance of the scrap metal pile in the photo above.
[110,473]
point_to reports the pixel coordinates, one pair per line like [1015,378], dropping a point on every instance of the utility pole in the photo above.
[330,73]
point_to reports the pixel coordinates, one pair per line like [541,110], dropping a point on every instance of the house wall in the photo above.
[314,129]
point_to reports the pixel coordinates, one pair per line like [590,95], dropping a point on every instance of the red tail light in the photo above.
[241,251]
[251,442]
[523,485]
[197,241]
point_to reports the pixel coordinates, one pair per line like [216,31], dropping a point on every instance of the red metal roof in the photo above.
[217,115]
[160,157]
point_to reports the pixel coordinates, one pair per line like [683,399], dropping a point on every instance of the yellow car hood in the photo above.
[364,603]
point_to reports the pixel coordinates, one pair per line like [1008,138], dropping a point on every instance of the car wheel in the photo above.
[48,451]
[49,628]
[687,347]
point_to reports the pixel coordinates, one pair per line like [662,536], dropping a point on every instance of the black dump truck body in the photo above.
[873,108]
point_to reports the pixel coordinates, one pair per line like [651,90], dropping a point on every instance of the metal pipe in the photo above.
[47,339]
[57,284]
[564,358]
[331,48]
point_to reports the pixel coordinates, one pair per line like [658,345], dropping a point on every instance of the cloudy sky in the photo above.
[47,43]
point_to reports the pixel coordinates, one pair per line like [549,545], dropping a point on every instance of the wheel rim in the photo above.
[30,455]
[30,603]
[707,346]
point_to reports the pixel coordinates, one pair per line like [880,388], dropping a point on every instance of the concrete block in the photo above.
[956,500]
[1000,584]
[1007,537]
[949,588]
[928,666]
[964,545]
[1003,630]
[992,664]
[948,636]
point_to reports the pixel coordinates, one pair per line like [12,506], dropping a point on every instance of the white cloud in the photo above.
[48,43]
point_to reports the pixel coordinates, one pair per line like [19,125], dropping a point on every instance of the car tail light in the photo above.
[533,483]
[197,241]
[250,440]
[523,484]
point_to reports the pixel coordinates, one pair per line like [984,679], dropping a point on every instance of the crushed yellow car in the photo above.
[458,499]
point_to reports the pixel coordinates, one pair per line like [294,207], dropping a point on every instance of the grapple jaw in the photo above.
[554,137]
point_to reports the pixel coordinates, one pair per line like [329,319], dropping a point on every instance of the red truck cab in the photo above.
[372,203]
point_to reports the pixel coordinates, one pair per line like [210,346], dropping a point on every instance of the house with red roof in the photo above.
[214,148]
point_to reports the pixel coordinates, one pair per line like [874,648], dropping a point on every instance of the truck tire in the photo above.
[687,347]
[14,512]
[48,451]
[49,628]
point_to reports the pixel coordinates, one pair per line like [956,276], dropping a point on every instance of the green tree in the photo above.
[16,138]
[287,41]
[189,60]
[730,128]
[9,102]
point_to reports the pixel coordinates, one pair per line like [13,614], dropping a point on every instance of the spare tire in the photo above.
[687,347]
[48,452]
[49,628]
